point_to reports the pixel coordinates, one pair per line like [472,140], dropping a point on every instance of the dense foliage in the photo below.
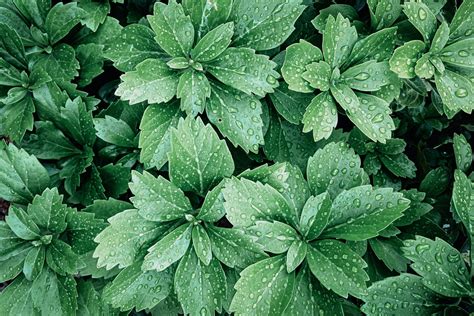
[265,157]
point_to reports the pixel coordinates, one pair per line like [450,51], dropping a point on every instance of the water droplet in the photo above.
[422,248]
[362,76]
[461,93]
[422,14]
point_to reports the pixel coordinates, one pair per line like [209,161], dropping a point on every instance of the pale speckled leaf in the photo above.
[456,91]
[462,22]
[315,216]
[383,13]
[115,131]
[193,89]
[368,76]
[400,165]
[339,38]
[295,255]
[202,244]
[462,152]
[404,58]
[273,236]
[364,50]
[290,104]
[21,223]
[48,211]
[345,96]
[422,18]
[459,54]
[213,43]
[318,74]
[206,15]
[440,38]
[16,299]
[320,116]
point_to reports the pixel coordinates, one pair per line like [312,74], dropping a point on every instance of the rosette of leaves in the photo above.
[301,224]
[444,56]
[205,54]
[345,72]
[171,235]
[40,248]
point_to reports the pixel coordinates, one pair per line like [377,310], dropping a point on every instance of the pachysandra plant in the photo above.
[305,229]
[444,54]
[204,54]
[345,70]
[171,236]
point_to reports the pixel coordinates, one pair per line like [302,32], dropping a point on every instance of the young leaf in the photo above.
[327,260]
[204,293]
[339,38]
[212,208]
[193,90]
[463,88]
[174,30]
[158,199]
[206,16]
[362,212]
[315,216]
[461,23]
[198,159]
[151,81]
[115,131]
[34,262]
[22,224]
[368,76]
[404,57]
[440,38]
[320,116]
[441,266]
[295,255]
[202,244]
[48,211]
[60,258]
[265,287]
[384,40]
[169,249]
[134,288]
[214,43]
[275,237]
[383,13]
[96,13]
[318,74]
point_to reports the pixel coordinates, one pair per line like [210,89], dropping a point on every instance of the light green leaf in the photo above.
[34,262]
[134,288]
[90,301]
[297,57]
[339,38]
[202,244]
[35,12]
[151,81]
[204,293]
[243,69]
[206,15]
[212,208]
[16,118]
[155,135]
[345,97]
[289,104]
[115,131]
[244,210]
[264,25]
[237,116]
[22,224]
[193,90]
[233,247]
[404,57]
[441,266]
[274,236]
[424,67]
[60,258]
[213,43]
[198,159]
[330,170]
[120,243]
[320,116]
[459,54]
[315,216]
[327,260]
[318,74]
[174,30]
[389,251]
[456,91]
[134,44]
[400,165]
[265,287]
[407,292]
[169,249]
[61,19]
[362,212]
[48,211]
[11,18]
[9,75]
[440,38]
[82,228]
[295,255]
[96,13]
[158,199]
[461,24]
[384,40]
[346,10]
[76,121]
[383,13]
[16,298]
[368,76]
[422,18]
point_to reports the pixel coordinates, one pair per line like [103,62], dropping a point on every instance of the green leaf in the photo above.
[198,159]
[318,75]
[372,117]
[404,57]
[169,249]
[115,179]
[461,23]
[11,47]
[424,67]
[16,118]
[347,11]
[422,18]
[297,57]
[237,116]
[463,88]
[174,30]
[77,122]
[9,75]
[22,224]
[204,293]
[339,38]
[368,76]
[311,298]
[193,90]
[134,44]
[345,97]
[15,299]
[295,255]
[115,131]
[406,292]
[158,199]
[202,244]
[214,43]
[152,81]
[206,16]
[315,216]
[459,54]
[389,251]
[11,18]
[265,287]
[96,13]
[244,210]
[155,135]
[122,235]
[91,62]
[362,212]
[400,165]
[82,228]
[13,263]
[327,260]
[233,247]
[61,64]
[243,69]
[383,13]
[440,38]
[330,170]
[289,104]
[264,25]
[134,288]
[274,236]
[61,19]
[48,211]
[417,208]
[212,208]
[441,266]
[320,116]
[60,258]
[35,12]
[90,301]
[384,40]
[34,262]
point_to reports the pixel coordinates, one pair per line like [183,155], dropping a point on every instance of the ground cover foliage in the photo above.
[218,157]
